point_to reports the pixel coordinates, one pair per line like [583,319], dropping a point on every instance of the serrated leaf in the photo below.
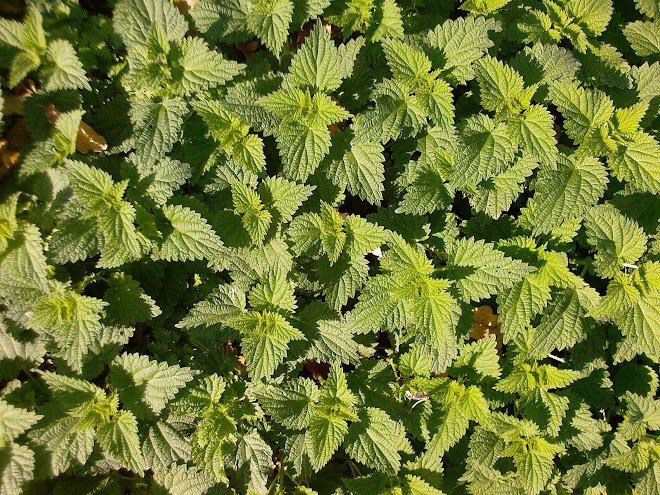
[480,271]
[145,386]
[63,69]
[157,126]
[189,236]
[374,440]
[119,438]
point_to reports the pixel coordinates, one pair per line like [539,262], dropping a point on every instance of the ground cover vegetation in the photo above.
[330,247]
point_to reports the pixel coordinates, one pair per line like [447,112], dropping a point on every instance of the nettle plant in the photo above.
[330,247]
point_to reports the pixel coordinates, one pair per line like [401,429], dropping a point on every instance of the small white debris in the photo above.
[551,356]
[377,252]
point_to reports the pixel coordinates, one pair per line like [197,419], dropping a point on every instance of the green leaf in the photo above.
[290,404]
[374,440]
[16,468]
[458,43]
[564,323]
[219,307]
[157,126]
[535,131]
[480,271]
[360,169]
[23,269]
[187,237]
[66,444]
[407,63]
[126,293]
[387,21]
[617,239]
[565,193]
[254,459]
[145,386]
[274,293]
[644,37]
[63,69]
[585,110]
[428,191]
[202,68]
[133,20]
[73,321]
[534,459]
[119,437]
[316,64]
[500,87]
[15,421]
[164,445]
[636,162]
[302,148]
[179,479]
[284,196]
[496,194]
[488,150]
[323,438]
[270,20]
[266,338]
[522,302]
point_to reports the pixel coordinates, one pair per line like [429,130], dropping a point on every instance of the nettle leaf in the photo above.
[644,37]
[15,421]
[585,110]
[266,338]
[566,193]
[145,386]
[16,466]
[202,68]
[290,405]
[479,270]
[63,69]
[374,440]
[134,19]
[636,162]
[74,323]
[359,169]
[119,437]
[270,20]
[489,149]
[186,236]
[219,307]
[618,240]
[302,148]
[157,125]
[316,64]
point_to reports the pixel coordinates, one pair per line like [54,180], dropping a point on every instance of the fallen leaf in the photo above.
[318,369]
[248,47]
[89,140]
[185,5]
[8,158]
[14,100]
[485,325]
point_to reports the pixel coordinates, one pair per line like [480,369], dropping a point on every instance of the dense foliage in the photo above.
[330,247]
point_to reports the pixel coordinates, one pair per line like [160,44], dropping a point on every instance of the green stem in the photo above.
[290,477]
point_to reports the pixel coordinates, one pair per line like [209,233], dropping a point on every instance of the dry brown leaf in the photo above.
[318,369]
[185,5]
[14,100]
[248,47]
[17,135]
[89,140]
[8,158]
[485,325]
